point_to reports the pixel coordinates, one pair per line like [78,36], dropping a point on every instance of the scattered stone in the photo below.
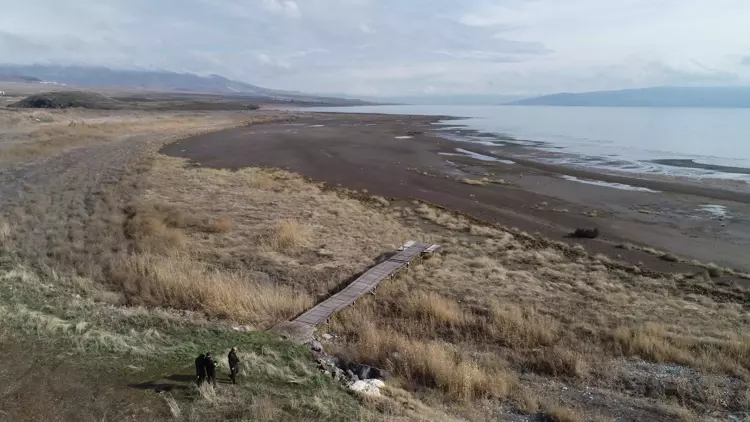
[586,233]
[325,253]
[366,372]
[670,257]
[327,336]
[592,214]
[243,328]
[315,346]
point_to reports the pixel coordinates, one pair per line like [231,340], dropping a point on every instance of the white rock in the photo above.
[243,328]
[326,336]
[369,387]
[377,383]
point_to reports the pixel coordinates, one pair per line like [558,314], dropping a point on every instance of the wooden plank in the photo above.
[364,284]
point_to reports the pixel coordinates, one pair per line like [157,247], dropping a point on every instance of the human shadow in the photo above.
[181,378]
[158,386]
[179,383]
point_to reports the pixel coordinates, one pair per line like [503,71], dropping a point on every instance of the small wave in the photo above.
[715,210]
[460,152]
[620,186]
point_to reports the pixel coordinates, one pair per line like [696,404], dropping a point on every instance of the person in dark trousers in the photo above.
[200,369]
[210,364]
[234,364]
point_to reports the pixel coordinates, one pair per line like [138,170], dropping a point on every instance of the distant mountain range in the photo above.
[714,97]
[457,99]
[153,80]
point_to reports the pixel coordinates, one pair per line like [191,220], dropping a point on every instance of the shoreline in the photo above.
[544,156]
[398,156]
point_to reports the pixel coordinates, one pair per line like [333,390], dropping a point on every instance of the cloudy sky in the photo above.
[390,47]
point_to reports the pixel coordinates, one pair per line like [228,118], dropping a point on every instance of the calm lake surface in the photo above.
[623,139]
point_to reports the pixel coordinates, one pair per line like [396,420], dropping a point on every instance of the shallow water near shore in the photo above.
[686,142]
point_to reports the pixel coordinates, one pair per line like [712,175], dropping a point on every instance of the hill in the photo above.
[465,99]
[96,101]
[158,81]
[727,97]
[91,76]
[69,99]
[19,78]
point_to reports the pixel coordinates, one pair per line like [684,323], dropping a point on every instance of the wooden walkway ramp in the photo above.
[303,325]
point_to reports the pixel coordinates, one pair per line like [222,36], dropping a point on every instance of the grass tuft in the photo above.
[289,234]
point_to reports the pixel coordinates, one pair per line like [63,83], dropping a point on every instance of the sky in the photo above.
[396,47]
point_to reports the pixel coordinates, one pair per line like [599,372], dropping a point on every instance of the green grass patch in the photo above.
[143,351]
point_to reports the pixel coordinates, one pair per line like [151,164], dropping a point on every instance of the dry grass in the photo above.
[289,234]
[459,328]
[27,134]
[183,283]
[506,301]
[4,231]
[526,402]
[433,364]
[221,225]
[557,413]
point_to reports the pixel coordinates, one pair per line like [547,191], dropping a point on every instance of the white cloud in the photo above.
[495,16]
[285,7]
[396,46]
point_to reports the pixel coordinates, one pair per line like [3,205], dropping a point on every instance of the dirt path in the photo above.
[66,210]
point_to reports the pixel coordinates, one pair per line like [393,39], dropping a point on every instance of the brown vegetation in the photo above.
[492,319]
[26,134]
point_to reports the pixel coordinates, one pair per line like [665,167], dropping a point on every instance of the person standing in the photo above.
[200,369]
[234,364]
[210,364]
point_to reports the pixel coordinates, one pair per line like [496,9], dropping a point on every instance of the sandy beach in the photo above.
[409,157]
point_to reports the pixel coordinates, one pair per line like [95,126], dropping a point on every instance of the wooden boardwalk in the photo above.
[366,283]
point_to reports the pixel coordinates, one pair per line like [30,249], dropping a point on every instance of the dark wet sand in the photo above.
[362,152]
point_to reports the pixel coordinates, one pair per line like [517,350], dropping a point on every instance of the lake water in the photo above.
[623,139]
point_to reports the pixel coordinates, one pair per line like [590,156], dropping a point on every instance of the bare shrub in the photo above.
[289,234]
[148,228]
[435,364]
[520,328]
[174,407]
[183,283]
[432,308]
[221,225]
[557,413]
[559,361]
[525,401]
[651,342]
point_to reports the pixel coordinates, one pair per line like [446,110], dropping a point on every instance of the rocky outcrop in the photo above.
[358,377]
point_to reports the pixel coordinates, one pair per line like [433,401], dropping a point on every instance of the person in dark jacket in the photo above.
[200,369]
[210,364]
[234,364]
